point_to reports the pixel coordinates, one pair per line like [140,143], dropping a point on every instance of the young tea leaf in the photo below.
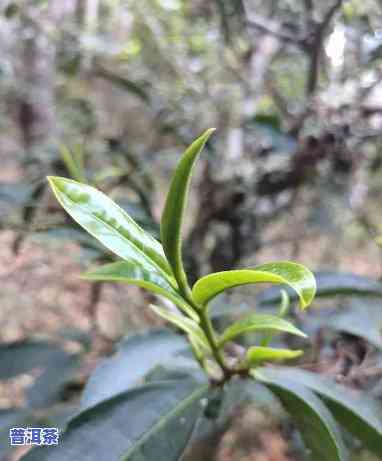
[135,274]
[74,168]
[332,284]
[259,322]
[187,325]
[172,217]
[292,274]
[111,225]
[256,355]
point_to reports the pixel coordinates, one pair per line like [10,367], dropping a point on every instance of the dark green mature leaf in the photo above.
[50,386]
[361,319]
[74,234]
[154,421]
[298,277]
[57,367]
[257,355]
[12,417]
[332,284]
[58,415]
[111,225]
[134,358]
[135,274]
[313,419]
[172,217]
[259,322]
[21,357]
[187,325]
[15,194]
[238,391]
[358,413]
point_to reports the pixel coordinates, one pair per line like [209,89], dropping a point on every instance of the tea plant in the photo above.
[145,412]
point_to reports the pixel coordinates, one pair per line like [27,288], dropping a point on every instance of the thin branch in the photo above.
[329,15]
[271,27]
[279,100]
[224,20]
[316,49]
[308,5]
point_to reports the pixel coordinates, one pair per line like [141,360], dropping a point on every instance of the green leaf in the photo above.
[257,355]
[111,225]
[359,413]
[23,356]
[135,274]
[11,10]
[332,284]
[185,324]
[154,421]
[74,169]
[12,417]
[284,303]
[172,217]
[56,367]
[295,275]
[359,319]
[73,234]
[15,194]
[49,388]
[133,359]
[259,322]
[316,424]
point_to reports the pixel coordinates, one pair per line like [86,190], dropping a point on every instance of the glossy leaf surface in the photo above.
[172,217]
[154,421]
[259,322]
[257,355]
[110,224]
[134,358]
[187,325]
[313,419]
[298,277]
[358,413]
[332,284]
[135,274]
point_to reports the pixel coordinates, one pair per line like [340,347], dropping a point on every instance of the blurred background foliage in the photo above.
[109,92]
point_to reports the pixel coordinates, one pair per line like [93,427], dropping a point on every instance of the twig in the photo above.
[315,49]
[224,21]
[308,5]
[329,15]
[271,27]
